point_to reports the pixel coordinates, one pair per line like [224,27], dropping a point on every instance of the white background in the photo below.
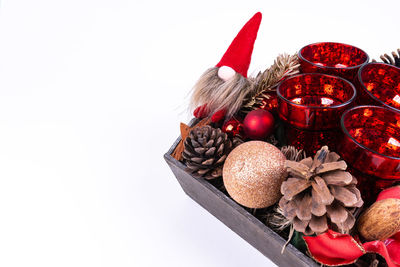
[91,96]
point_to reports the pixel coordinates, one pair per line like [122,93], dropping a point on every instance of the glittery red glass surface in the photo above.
[269,102]
[371,141]
[379,84]
[332,58]
[370,186]
[314,101]
[311,141]
[233,128]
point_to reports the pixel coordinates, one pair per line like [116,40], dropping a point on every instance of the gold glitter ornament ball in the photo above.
[253,173]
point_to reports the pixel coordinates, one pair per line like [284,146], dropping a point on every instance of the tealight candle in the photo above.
[370,145]
[371,141]
[379,84]
[313,102]
[332,58]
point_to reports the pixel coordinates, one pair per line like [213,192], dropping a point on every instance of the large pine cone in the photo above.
[206,149]
[319,194]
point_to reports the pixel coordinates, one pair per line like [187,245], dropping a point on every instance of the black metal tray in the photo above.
[237,218]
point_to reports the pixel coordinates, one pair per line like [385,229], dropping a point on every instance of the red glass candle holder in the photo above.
[379,84]
[370,186]
[314,101]
[311,141]
[311,106]
[332,58]
[371,141]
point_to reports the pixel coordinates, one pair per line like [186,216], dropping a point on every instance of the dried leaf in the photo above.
[185,129]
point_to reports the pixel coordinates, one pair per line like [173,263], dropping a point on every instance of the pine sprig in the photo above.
[292,153]
[267,81]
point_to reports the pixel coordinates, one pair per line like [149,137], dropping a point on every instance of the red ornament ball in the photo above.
[233,127]
[258,124]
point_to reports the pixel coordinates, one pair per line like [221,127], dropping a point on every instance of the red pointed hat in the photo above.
[238,55]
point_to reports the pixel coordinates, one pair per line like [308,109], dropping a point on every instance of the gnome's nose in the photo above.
[226,73]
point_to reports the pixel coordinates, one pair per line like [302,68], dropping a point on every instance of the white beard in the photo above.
[218,94]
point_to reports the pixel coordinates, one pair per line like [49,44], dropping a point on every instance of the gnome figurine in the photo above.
[220,91]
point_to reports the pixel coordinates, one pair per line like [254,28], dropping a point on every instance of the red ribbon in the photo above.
[333,249]
[391,192]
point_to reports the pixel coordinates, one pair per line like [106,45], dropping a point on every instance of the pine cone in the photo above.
[319,194]
[392,60]
[205,150]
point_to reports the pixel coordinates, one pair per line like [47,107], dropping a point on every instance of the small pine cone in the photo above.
[319,194]
[205,150]
[392,60]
